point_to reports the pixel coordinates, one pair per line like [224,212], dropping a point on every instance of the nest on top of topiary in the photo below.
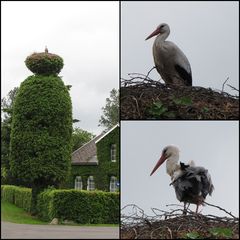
[44,63]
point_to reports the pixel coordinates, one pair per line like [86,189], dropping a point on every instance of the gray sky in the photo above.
[211,144]
[207,32]
[84,34]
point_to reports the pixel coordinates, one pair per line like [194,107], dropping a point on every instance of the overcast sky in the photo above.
[207,32]
[84,34]
[211,144]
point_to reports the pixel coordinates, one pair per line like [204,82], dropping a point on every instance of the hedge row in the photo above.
[79,206]
[19,196]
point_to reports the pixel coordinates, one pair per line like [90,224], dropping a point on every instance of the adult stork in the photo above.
[170,61]
[192,184]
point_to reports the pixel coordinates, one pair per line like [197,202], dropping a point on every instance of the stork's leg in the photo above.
[197,208]
[184,209]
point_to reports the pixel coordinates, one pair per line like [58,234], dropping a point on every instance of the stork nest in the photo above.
[144,98]
[174,225]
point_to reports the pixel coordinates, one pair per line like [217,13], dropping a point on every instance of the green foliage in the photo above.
[44,63]
[6,108]
[40,145]
[205,109]
[183,101]
[80,137]
[105,169]
[193,235]
[8,193]
[110,115]
[159,110]
[221,232]
[20,196]
[79,206]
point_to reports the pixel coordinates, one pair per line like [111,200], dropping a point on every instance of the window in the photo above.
[78,183]
[90,184]
[113,184]
[113,152]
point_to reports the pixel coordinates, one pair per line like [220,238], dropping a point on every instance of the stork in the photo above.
[170,61]
[192,184]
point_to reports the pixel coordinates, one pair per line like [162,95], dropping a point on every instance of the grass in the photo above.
[11,213]
[14,214]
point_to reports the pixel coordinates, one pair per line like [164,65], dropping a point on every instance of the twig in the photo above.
[220,209]
[150,71]
[224,83]
[176,226]
[233,87]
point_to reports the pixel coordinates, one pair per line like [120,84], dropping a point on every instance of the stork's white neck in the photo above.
[162,37]
[172,164]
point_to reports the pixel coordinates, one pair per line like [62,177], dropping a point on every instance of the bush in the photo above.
[79,206]
[20,196]
[23,197]
[8,193]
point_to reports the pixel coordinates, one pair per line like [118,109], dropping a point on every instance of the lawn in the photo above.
[11,213]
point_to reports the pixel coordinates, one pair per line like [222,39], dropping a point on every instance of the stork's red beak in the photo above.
[156,32]
[159,163]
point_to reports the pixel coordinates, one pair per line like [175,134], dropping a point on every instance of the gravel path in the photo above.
[27,231]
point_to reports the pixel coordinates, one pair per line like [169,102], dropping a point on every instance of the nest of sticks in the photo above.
[174,224]
[145,98]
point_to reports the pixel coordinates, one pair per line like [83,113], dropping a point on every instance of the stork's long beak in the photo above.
[156,32]
[159,163]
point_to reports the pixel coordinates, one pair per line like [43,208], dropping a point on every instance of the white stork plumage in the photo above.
[170,61]
[192,184]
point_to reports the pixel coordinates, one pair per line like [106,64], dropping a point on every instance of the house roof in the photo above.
[105,134]
[87,154]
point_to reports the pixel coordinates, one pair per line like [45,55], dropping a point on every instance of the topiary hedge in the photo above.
[41,131]
[80,206]
[20,196]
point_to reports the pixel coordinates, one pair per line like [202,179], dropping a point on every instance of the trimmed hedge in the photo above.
[79,206]
[20,196]
[41,134]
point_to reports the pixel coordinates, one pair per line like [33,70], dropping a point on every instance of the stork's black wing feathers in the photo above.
[192,183]
[187,77]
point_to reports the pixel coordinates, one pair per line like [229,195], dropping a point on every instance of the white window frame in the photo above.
[78,183]
[90,184]
[113,152]
[113,184]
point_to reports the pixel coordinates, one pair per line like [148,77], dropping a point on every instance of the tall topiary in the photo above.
[41,133]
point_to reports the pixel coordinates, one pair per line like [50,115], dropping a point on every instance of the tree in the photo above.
[6,112]
[110,115]
[41,133]
[80,137]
